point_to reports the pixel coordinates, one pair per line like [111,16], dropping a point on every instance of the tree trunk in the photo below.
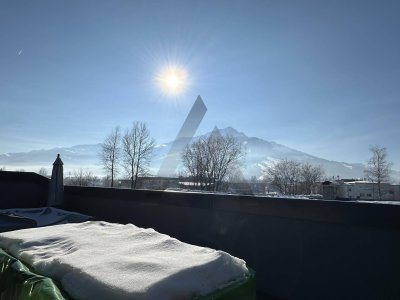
[132,176]
[112,174]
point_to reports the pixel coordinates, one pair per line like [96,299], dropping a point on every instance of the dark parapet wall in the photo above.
[23,190]
[300,249]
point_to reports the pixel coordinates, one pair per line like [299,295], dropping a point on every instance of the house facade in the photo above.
[360,190]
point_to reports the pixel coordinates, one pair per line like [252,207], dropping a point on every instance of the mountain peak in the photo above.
[258,153]
[232,131]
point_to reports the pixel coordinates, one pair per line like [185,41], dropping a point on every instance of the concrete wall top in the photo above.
[332,211]
[15,176]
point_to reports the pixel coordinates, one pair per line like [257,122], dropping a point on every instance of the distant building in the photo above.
[359,190]
[247,188]
[242,187]
[151,183]
[329,190]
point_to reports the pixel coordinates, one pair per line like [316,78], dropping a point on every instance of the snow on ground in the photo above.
[347,166]
[378,202]
[100,260]
[160,145]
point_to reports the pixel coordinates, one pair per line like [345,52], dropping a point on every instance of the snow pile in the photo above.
[100,260]
[44,216]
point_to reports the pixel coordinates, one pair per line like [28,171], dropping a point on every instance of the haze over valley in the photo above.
[259,153]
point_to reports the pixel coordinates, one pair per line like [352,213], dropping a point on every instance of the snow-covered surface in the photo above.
[378,202]
[46,215]
[100,260]
[348,166]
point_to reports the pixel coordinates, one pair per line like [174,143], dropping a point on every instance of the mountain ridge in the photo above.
[259,153]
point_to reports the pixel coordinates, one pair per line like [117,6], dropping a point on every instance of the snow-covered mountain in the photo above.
[76,157]
[259,152]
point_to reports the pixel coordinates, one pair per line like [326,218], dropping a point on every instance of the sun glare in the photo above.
[173,80]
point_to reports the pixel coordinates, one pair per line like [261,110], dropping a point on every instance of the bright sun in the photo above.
[173,80]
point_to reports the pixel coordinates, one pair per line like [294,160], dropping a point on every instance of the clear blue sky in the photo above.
[319,76]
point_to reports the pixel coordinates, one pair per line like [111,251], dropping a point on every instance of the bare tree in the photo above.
[192,159]
[293,177]
[310,175]
[235,176]
[81,177]
[378,168]
[137,148]
[2,168]
[43,172]
[209,160]
[110,153]
[284,175]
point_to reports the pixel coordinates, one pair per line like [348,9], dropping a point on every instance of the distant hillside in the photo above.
[259,152]
[80,156]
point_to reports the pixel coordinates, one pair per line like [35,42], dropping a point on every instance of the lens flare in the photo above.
[173,80]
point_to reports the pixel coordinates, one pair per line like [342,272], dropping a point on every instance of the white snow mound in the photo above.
[100,260]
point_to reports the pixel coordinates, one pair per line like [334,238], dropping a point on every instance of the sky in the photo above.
[322,77]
